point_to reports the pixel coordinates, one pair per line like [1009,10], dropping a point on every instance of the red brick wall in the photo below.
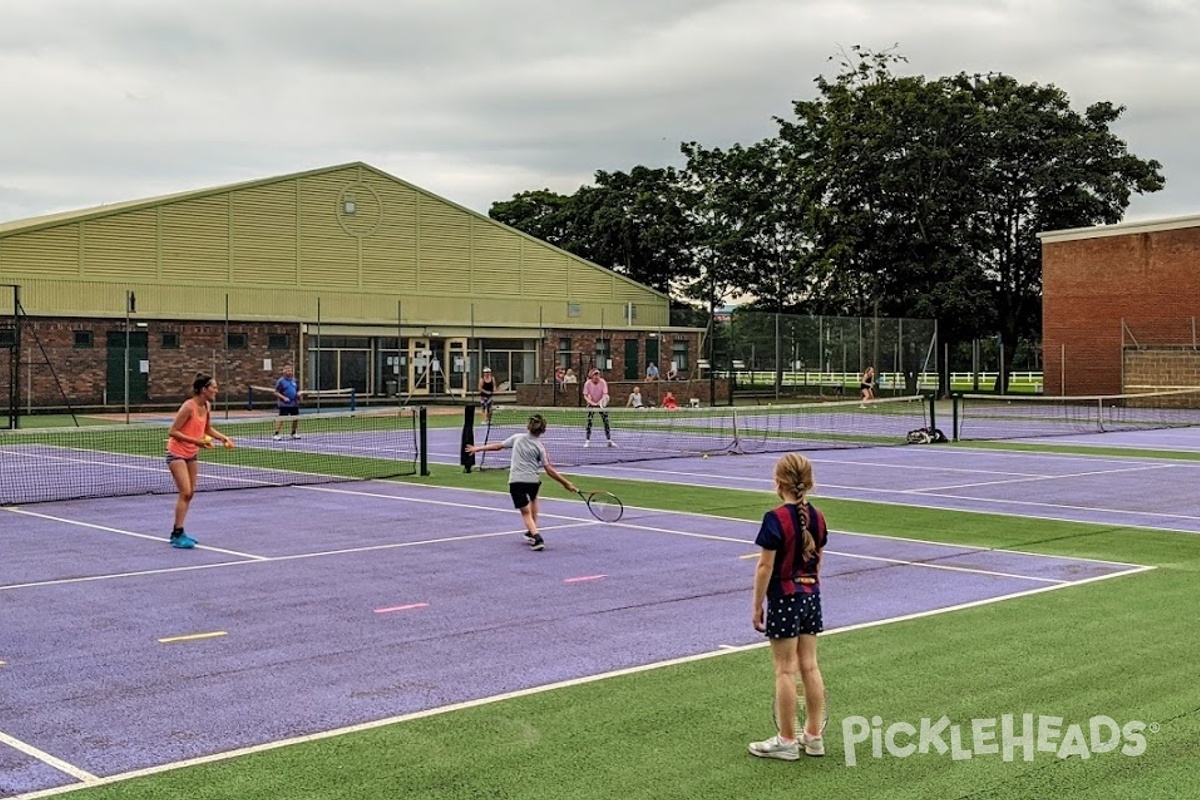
[1151,280]
[583,347]
[542,394]
[52,366]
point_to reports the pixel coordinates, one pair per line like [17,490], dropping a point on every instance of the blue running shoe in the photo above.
[183,541]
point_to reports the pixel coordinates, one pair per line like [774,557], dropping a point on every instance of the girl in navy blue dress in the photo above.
[787,579]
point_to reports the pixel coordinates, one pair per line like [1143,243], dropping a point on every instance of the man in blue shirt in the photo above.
[287,393]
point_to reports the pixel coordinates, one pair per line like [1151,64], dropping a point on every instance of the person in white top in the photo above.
[529,459]
[635,398]
[595,394]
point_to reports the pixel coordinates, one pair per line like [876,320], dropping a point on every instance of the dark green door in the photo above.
[139,352]
[631,360]
[652,356]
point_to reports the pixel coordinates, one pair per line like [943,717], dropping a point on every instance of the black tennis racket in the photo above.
[800,721]
[605,506]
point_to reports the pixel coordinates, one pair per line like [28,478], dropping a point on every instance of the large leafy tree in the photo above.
[931,193]
[631,222]
[1040,165]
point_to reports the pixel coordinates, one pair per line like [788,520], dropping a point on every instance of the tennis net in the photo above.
[980,417]
[263,398]
[641,435]
[48,464]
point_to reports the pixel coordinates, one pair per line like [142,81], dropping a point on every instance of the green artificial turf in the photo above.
[1125,648]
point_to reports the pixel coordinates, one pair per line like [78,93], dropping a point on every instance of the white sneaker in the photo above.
[813,745]
[277,437]
[611,443]
[295,436]
[587,442]
[775,748]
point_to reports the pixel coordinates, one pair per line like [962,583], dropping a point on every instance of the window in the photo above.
[278,341]
[83,340]
[170,341]
[603,353]
[8,337]
[237,341]
[564,352]
[574,310]
[679,355]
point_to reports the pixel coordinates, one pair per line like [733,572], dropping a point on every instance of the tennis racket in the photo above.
[800,721]
[604,401]
[605,506]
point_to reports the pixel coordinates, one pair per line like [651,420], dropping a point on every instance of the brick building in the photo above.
[1120,307]
[356,278]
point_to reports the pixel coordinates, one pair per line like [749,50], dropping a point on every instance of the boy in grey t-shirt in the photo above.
[529,460]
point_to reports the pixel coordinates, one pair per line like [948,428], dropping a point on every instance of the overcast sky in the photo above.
[475,100]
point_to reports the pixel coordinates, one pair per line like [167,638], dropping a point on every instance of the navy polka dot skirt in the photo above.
[794,615]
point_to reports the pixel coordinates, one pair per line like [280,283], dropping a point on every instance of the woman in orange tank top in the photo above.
[191,431]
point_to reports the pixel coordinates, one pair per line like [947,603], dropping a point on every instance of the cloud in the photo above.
[479,100]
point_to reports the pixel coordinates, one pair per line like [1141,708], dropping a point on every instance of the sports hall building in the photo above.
[1120,307]
[355,277]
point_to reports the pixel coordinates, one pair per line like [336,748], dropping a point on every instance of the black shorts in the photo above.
[794,615]
[868,386]
[523,493]
[289,411]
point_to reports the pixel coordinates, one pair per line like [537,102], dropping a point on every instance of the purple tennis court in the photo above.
[1134,491]
[311,609]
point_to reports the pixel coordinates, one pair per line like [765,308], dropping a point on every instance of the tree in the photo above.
[1041,166]
[632,223]
[929,194]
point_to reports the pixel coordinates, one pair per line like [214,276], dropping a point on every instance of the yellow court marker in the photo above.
[192,637]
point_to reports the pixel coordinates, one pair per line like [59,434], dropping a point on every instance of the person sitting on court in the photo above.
[669,401]
[652,371]
[635,398]
[595,394]
[287,394]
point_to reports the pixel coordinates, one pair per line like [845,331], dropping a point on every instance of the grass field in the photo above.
[1125,648]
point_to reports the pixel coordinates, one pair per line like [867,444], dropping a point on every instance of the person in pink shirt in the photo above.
[595,394]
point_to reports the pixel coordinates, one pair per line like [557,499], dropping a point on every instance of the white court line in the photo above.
[276,559]
[839,531]
[923,493]
[893,561]
[87,778]
[721,650]
[107,529]
[1027,478]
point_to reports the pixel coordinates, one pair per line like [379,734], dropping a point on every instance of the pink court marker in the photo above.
[584,578]
[401,608]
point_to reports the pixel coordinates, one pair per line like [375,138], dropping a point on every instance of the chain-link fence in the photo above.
[781,355]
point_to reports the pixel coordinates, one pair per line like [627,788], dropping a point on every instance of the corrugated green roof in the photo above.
[68,217]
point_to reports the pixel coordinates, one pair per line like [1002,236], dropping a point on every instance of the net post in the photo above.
[249,398]
[353,400]
[423,440]
[467,460]
[932,398]
[955,399]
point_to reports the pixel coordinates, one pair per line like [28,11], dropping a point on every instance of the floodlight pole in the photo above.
[128,295]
